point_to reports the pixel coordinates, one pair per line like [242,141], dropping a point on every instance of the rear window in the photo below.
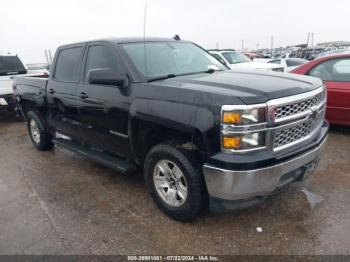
[11,65]
[67,65]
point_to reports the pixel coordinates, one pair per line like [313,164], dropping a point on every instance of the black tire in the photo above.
[189,164]
[45,139]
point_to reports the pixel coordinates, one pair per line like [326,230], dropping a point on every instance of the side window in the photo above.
[343,68]
[67,65]
[100,56]
[333,70]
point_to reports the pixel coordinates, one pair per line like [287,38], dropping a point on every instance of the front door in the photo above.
[104,108]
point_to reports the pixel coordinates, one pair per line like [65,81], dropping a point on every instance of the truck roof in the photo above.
[122,40]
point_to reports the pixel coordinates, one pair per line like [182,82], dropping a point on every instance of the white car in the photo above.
[289,63]
[10,66]
[236,60]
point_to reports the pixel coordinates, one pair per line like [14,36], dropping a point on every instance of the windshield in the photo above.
[170,58]
[234,57]
[11,65]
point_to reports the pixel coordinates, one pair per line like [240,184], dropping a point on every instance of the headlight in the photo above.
[243,128]
[244,141]
[244,116]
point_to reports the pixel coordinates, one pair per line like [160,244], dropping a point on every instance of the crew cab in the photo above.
[203,135]
[10,66]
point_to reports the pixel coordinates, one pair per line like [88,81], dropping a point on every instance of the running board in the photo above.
[114,162]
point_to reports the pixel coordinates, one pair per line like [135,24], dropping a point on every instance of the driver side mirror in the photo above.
[105,76]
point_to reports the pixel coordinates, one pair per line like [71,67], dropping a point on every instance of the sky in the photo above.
[28,27]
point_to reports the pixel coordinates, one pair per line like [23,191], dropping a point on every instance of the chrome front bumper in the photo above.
[238,185]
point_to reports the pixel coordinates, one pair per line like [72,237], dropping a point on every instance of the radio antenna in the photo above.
[144,38]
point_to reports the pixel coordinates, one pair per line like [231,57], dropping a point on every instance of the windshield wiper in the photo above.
[161,77]
[212,70]
[209,71]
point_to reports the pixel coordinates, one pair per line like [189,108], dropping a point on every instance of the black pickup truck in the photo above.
[204,135]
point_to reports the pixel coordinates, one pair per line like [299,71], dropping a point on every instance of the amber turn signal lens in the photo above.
[232,118]
[231,142]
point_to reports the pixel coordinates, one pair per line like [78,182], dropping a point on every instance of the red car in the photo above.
[335,72]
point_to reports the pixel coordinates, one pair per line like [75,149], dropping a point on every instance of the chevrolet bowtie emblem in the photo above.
[314,112]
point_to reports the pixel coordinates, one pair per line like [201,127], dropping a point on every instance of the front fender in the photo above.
[177,116]
[173,115]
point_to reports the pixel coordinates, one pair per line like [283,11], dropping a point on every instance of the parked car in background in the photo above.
[334,52]
[237,60]
[252,55]
[10,66]
[202,134]
[335,72]
[289,63]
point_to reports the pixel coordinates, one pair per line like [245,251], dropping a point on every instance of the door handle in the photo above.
[52,91]
[83,95]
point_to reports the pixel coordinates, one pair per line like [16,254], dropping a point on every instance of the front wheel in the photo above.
[175,181]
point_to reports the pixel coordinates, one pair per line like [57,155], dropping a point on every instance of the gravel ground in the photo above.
[58,202]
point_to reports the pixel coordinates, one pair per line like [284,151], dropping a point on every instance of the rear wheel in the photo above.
[38,133]
[175,181]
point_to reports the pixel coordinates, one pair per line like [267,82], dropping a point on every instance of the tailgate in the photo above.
[5,85]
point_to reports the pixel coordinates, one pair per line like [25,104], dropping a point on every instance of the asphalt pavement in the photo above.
[58,202]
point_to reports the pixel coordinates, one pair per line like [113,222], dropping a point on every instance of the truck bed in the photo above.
[37,81]
[31,88]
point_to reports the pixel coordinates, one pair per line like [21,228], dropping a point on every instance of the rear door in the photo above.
[335,73]
[61,91]
[104,108]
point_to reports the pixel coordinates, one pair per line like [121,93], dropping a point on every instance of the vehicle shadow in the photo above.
[9,117]
[344,130]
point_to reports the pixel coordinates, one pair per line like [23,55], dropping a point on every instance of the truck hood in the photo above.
[251,87]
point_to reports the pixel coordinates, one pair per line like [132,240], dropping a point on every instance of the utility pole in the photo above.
[47,56]
[217,45]
[271,45]
[312,40]
[242,45]
[257,47]
[308,38]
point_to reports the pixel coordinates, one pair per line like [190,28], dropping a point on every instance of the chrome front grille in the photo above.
[291,135]
[300,107]
[296,118]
